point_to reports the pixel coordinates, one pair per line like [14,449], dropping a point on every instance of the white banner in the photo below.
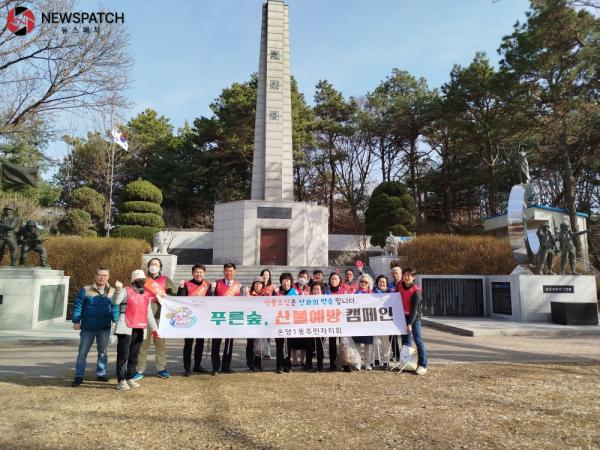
[282,316]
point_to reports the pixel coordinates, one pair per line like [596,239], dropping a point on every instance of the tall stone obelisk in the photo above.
[271,228]
[272,164]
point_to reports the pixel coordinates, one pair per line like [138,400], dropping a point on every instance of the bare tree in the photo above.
[53,71]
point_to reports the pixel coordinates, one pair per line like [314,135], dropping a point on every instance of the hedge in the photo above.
[142,207]
[142,219]
[79,257]
[142,190]
[89,200]
[136,232]
[445,254]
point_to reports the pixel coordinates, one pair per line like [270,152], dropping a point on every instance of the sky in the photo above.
[186,52]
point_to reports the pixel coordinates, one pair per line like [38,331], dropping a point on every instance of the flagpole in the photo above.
[112,177]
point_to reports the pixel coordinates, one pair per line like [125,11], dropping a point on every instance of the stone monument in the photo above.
[271,228]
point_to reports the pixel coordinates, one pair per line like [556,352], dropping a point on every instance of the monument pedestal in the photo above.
[380,265]
[169,263]
[528,298]
[32,297]
[258,232]
[565,313]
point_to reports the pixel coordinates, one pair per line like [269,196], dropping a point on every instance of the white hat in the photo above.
[138,275]
[258,280]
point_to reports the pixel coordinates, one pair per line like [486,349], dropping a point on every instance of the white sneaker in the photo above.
[123,386]
[421,370]
[133,384]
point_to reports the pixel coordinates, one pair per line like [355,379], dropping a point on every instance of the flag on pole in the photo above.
[119,138]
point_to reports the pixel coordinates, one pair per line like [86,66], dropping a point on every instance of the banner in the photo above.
[282,316]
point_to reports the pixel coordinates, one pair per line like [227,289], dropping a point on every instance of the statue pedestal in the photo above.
[528,298]
[169,263]
[32,297]
[380,265]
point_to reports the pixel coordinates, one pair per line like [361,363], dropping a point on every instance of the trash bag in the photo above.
[348,354]
[408,359]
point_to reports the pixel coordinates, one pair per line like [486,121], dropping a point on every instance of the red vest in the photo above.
[350,288]
[302,290]
[136,311]
[268,290]
[341,290]
[406,295]
[222,290]
[151,284]
[197,290]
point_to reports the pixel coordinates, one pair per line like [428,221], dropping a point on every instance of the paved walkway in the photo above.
[57,361]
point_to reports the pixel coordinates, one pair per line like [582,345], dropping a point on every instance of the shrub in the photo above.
[79,257]
[89,200]
[391,208]
[142,190]
[136,232]
[75,221]
[140,214]
[143,219]
[142,207]
[445,254]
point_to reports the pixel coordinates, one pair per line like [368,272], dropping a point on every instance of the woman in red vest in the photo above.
[196,287]
[224,287]
[335,287]
[283,363]
[135,317]
[412,302]
[268,289]
[253,361]
[155,281]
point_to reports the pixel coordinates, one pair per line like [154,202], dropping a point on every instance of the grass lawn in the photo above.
[454,405]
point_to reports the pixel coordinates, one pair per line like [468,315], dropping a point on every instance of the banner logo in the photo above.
[182,318]
[20,21]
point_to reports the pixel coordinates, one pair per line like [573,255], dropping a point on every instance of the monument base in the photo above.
[169,263]
[565,313]
[32,297]
[528,298]
[256,232]
[380,265]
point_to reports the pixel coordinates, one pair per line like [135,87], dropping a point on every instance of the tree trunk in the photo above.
[569,187]
[413,175]
[382,157]
[493,192]
[331,188]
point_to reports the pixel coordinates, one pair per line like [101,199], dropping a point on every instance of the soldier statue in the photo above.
[29,239]
[568,242]
[391,248]
[545,255]
[523,165]
[8,224]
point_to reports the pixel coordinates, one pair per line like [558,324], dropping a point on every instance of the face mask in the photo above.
[139,283]
[301,281]
[153,270]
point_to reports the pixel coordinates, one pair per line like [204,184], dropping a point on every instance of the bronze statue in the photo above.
[568,242]
[545,255]
[8,224]
[29,239]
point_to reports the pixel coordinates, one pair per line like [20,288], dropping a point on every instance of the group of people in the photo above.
[133,313]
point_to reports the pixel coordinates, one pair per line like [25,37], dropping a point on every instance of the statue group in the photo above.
[27,236]
[564,241]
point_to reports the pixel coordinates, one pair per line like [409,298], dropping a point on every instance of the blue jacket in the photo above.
[93,310]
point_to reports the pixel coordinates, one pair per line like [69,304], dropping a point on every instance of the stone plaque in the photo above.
[273,213]
[501,298]
[274,115]
[51,304]
[564,289]
[275,55]
[274,84]
[453,296]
